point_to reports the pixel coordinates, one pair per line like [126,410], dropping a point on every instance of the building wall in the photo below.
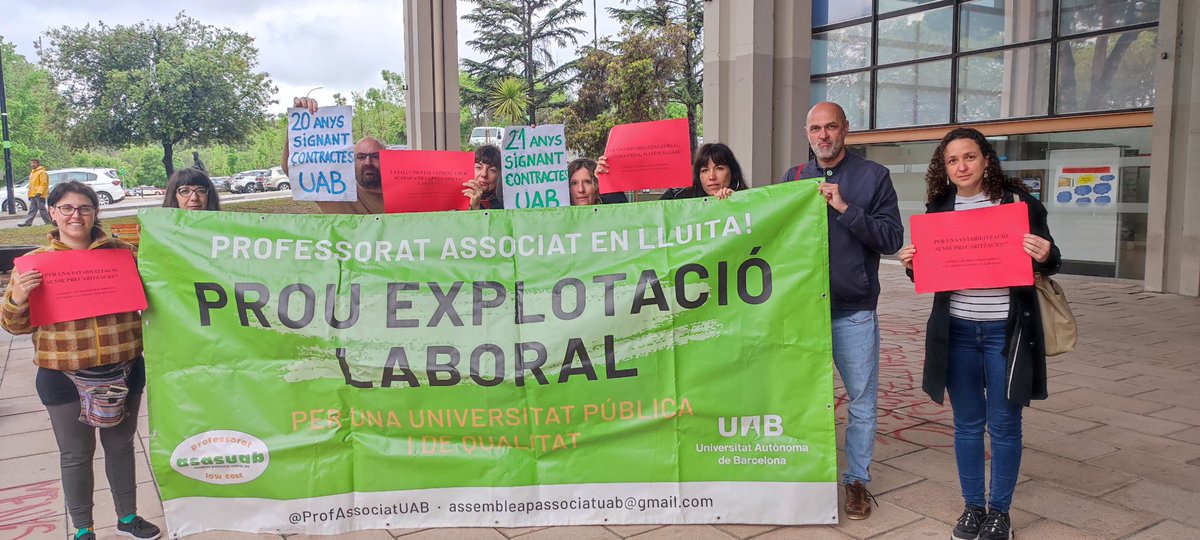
[1025,75]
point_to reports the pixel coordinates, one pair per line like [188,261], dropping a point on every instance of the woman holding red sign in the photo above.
[715,173]
[984,346]
[90,372]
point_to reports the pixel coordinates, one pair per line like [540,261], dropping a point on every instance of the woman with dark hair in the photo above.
[985,346]
[75,355]
[715,173]
[482,190]
[584,187]
[191,189]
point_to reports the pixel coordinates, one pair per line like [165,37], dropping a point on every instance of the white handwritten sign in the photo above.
[533,167]
[321,154]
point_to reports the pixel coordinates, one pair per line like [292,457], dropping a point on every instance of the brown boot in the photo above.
[858,501]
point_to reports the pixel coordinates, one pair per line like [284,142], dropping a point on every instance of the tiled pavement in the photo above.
[1114,452]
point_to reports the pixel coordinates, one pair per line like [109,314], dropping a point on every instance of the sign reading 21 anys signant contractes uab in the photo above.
[533,169]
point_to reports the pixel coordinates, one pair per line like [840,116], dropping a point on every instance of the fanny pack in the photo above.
[102,394]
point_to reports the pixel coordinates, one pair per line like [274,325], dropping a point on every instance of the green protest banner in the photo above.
[662,362]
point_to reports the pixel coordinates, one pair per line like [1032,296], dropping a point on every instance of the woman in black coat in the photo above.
[984,346]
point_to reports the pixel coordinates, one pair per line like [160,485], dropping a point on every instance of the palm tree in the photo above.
[509,98]
[519,38]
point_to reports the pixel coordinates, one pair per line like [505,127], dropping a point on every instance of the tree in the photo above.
[380,112]
[155,84]
[518,36]
[685,19]
[510,100]
[622,86]
[34,112]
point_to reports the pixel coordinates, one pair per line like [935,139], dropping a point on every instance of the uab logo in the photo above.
[221,457]
[769,425]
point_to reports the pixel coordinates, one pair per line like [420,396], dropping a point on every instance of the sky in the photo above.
[340,46]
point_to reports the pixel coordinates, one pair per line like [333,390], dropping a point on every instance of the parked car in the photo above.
[277,180]
[148,191]
[221,182]
[105,181]
[248,181]
[486,135]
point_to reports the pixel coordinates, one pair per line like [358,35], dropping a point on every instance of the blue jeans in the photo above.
[976,380]
[856,355]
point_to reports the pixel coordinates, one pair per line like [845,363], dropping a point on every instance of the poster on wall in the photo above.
[1082,202]
[1087,185]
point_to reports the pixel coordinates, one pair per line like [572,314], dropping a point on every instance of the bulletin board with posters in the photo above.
[1082,202]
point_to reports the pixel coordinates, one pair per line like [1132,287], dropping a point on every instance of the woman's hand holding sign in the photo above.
[906,254]
[23,284]
[1037,247]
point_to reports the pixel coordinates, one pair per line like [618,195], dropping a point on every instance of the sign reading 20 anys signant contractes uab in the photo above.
[321,154]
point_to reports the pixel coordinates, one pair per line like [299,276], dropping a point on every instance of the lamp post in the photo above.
[8,180]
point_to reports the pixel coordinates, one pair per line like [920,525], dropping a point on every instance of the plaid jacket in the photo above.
[83,343]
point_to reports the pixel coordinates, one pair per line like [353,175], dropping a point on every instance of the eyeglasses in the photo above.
[186,192]
[374,156]
[70,209]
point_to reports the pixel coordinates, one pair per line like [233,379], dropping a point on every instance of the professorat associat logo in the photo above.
[221,457]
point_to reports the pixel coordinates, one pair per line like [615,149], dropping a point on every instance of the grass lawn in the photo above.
[36,235]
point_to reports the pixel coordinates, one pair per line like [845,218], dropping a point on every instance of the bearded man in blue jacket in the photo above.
[864,223]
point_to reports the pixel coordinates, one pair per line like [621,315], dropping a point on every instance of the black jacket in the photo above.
[1023,351]
[869,227]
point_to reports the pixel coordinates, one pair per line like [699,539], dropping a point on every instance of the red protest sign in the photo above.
[81,283]
[424,181]
[971,249]
[648,155]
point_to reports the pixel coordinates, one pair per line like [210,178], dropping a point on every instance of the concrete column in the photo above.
[756,82]
[1173,224]
[431,70]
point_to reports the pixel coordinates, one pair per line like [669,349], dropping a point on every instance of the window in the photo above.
[919,35]
[901,63]
[835,11]
[842,50]
[1078,16]
[992,23]
[852,92]
[1106,72]
[1011,83]
[80,176]
[917,94]
[888,6]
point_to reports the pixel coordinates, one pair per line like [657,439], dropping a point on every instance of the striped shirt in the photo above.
[978,304]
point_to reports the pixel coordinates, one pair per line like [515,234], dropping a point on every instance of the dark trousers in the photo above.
[77,447]
[37,205]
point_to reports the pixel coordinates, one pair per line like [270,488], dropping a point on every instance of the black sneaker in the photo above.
[969,523]
[138,528]
[85,536]
[24,224]
[996,526]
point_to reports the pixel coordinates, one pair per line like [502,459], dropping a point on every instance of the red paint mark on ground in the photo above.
[905,412]
[30,510]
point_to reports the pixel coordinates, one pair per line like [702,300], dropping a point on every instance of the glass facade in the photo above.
[1101,237]
[937,62]
[895,64]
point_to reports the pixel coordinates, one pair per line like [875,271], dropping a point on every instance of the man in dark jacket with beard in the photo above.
[864,222]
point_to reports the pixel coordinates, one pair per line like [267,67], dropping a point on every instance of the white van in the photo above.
[486,135]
